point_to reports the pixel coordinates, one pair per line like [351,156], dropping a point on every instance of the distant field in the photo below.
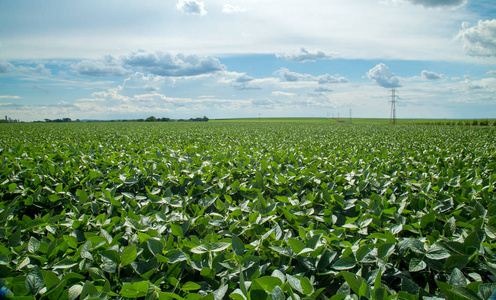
[248,209]
[366,121]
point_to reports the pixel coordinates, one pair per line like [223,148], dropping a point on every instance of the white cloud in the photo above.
[229,9]
[194,7]
[244,82]
[7,67]
[485,85]
[285,94]
[321,79]
[108,67]
[479,40]
[322,89]
[142,83]
[383,76]
[303,55]
[492,72]
[431,75]
[292,76]
[326,78]
[174,65]
[439,3]
[9,97]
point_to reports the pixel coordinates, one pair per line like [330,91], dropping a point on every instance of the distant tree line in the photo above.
[58,120]
[149,119]
[153,119]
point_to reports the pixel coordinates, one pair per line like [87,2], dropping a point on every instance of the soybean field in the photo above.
[247,210]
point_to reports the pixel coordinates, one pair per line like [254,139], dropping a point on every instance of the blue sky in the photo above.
[121,59]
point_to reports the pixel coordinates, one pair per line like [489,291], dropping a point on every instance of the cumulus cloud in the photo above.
[9,97]
[439,3]
[431,75]
[193,7]
[479,40]
[323,79]
[173,65]
[303,55]
[492,72]
[383,76]
[244,82]
[139,81]
[486,84]
[7,67]
[229,9]
[108,67]
[292,76]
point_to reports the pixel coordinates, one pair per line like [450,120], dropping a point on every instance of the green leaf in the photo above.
[85,251]
[135,289]
[75,291]
[294,282]
[237,294]
[307,286]
[296,245]
[427,219]
[50,278]
[155,246]
[416,265]
[176,256]
[344,263]
[455,292]
[128,255]
[357,284]
[217,247]
[238,246]
[34,281]
[268,283]
[190,286]
[33,245]
[220,292]
[281,250]
[89,289]
[385,250]
[277,294]
[64,264]
[200,249]
[472,240]
[437,253]
[177,230]
[112,255]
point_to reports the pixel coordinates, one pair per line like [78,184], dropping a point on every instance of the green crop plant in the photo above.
[247,210]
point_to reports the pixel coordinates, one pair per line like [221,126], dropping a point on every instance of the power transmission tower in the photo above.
[350,116]
[392,115]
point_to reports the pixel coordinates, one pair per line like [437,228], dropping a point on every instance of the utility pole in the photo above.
[350,116]
[392,115]
[258,117]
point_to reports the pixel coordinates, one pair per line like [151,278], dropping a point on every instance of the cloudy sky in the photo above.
[118,59]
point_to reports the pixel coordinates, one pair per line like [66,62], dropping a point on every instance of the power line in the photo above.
[392,115]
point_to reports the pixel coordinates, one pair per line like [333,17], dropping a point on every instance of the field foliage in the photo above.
[247,211]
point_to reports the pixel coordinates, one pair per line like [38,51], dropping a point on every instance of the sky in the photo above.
[123,59]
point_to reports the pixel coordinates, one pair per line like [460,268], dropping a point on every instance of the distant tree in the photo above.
[48,120]
[151,119]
